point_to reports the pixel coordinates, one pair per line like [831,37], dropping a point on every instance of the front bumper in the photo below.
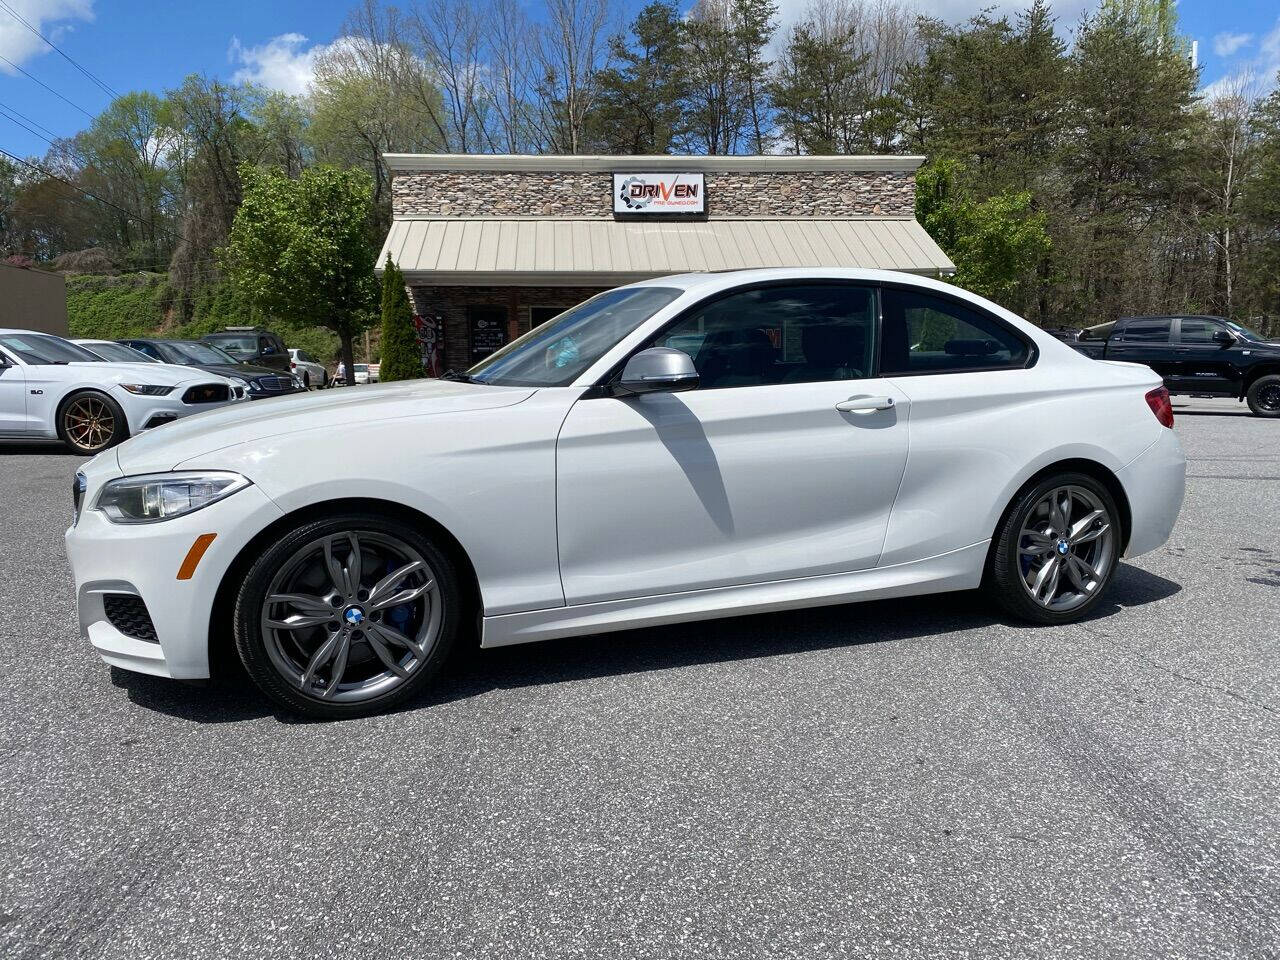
[1155,484]
[142,560]
[144,412]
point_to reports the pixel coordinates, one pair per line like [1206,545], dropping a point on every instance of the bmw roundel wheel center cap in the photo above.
[1063,547]
[354,616]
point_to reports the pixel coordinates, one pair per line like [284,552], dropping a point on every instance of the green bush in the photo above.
[401,355]
[109,308]
[145,305]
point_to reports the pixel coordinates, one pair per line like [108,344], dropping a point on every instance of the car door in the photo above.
[13,396]
[1146,340]
[973,390]
[756,475]
[1204,365]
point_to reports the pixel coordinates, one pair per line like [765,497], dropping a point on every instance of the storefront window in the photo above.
[556,353]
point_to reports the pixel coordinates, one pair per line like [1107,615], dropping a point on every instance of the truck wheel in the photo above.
[1264,396]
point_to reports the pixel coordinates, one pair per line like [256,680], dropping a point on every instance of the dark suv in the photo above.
[1198,356]
[252,345]
[258,382]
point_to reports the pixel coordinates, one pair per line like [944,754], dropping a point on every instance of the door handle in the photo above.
[865,404]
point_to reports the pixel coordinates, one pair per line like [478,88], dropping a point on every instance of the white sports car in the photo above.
[683,448]
[51,388]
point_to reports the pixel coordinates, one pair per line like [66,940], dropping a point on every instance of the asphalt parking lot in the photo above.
[893,779]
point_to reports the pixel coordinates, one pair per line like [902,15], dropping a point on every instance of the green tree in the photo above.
[401,355]
[818,90]
[1129,111]
[300,249]
[639,100]
[995,243]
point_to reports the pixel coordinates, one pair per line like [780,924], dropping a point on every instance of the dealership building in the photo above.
[491,246]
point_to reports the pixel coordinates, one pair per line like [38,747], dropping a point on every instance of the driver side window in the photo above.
[799,333]
[1195,330]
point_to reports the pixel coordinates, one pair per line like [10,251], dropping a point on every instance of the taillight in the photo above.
[292,365]
[1158,401]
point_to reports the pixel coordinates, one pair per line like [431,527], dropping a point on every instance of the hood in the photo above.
[332,410]
[246,371]
[159,374]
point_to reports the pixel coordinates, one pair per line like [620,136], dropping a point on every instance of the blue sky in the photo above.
[153,44]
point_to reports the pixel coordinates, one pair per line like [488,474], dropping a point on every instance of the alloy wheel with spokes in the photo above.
[1065,546]
[90,422]
[343,618]
[1056,550]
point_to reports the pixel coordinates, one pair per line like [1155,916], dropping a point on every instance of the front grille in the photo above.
[275,383]
[128,614]
[207,393]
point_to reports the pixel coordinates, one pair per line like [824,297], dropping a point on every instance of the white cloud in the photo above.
[283,63]
[1250,75]
[19,44]
[1066,12]
[1225,44]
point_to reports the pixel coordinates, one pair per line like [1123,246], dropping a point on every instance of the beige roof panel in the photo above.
[552,251]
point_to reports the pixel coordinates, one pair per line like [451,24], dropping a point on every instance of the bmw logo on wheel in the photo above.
[354,616]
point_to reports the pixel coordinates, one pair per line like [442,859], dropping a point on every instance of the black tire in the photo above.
[1264,396]
[1005,580]
[265,652]
[306,380]
[89,422]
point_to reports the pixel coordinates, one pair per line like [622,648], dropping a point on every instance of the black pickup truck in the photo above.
[1199,356]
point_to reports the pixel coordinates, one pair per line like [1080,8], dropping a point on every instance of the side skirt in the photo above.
[958,570]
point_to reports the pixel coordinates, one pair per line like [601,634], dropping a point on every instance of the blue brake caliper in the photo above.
[398,616]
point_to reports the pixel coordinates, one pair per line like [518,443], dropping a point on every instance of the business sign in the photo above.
[659,193]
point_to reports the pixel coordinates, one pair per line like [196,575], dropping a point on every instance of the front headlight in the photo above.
[163,496]
[147,389]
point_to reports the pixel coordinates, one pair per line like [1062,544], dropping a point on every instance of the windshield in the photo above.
[187,351]
[40,348]
[556,353]
[1246,332]
[118,353]
[236,344]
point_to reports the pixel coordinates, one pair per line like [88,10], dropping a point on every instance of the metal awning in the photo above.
[486,251]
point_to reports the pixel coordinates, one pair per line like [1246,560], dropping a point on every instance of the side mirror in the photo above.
[1224,337]
[658,370]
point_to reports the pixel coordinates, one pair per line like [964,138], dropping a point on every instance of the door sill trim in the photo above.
[957,570]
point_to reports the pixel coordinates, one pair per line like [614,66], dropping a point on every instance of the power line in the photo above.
[17,16]
[47,87]
[88,193]
[5,110]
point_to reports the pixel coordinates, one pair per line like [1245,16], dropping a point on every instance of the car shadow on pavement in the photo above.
[759,635]
[30,448]
[474,672]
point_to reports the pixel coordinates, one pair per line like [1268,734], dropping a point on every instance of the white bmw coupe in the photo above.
[688,447]
[53,389]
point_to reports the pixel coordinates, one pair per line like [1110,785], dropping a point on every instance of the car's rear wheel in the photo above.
[1264,396]
[90,422]
[347,616]
[1056,549]
[306,380]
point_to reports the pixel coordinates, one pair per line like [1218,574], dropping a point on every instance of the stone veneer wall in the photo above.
[830,193]
[450,303]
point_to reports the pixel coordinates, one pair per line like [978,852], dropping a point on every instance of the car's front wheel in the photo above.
[90,422]
[347,616]
[1056,549]
[1264,396]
